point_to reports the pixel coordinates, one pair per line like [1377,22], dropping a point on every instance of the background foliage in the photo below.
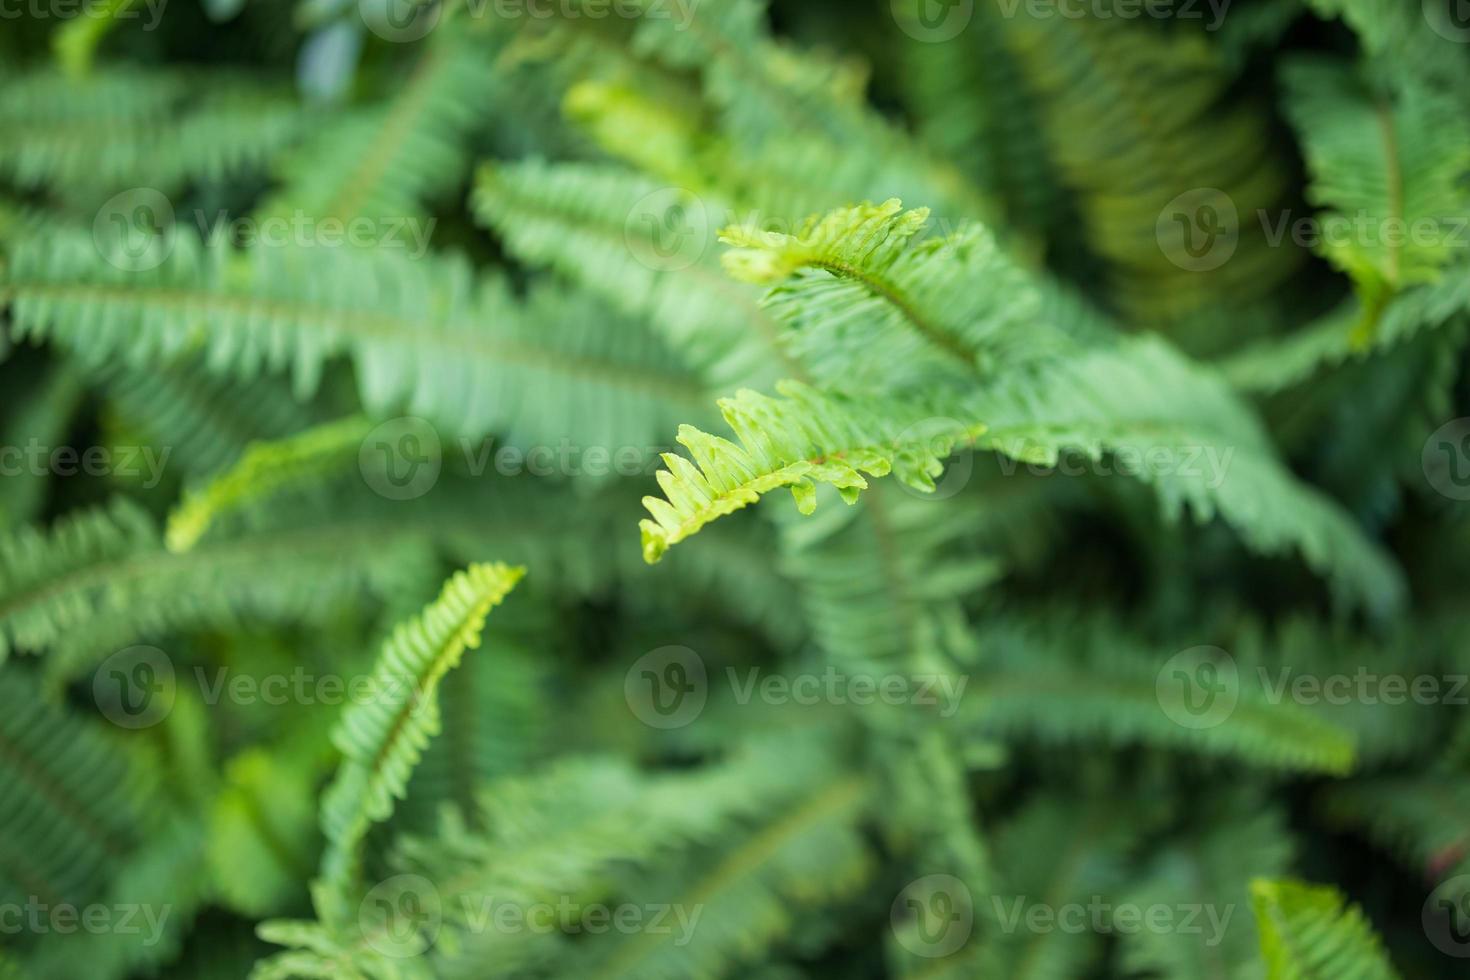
[342,341]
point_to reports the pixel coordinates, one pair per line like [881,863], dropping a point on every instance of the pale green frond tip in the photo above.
[263,469]
[1311,931]
[838,240]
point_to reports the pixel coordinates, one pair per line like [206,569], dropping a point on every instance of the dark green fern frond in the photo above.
[387,163]
[1124,689]
[72,801]
[1392,175]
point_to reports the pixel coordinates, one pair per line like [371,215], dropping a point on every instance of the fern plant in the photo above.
[1114,361]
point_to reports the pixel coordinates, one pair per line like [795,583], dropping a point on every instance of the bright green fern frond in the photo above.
[383,736]
[1309,932]
[801,439]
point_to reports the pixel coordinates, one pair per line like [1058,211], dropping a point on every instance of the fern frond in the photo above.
[383,737]
[1112,685]
[1392,177]
[1135,119]
[626,238]
[263,469]
[389,162]
[425,335]
[1420,818]
[118,128]
[799,440]
[72,802]
[1309,932]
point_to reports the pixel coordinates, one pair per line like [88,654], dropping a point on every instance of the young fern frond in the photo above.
[1310,932]
[383,736]
[799,440]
